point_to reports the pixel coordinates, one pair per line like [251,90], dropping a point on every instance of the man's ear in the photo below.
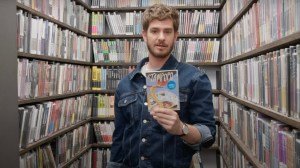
[144,34]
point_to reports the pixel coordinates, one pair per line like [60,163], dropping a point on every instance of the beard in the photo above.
[159,54]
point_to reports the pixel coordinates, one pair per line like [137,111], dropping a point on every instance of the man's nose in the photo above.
[161,36]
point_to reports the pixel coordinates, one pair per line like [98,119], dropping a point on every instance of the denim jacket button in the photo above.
[143,140]
[146,104]
[145,121]
[144,87]
[142,158]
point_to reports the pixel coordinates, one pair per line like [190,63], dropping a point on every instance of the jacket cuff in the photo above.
[205,137]
[205,133]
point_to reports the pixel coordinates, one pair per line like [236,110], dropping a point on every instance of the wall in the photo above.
[8,86]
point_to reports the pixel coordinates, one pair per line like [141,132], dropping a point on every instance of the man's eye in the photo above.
[154,31]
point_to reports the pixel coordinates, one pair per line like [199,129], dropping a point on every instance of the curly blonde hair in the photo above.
[160,12]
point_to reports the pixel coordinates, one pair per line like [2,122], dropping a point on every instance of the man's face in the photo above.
[160,38]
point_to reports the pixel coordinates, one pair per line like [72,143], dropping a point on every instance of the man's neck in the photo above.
[156,63]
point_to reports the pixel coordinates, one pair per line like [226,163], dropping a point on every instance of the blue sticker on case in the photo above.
[171,85]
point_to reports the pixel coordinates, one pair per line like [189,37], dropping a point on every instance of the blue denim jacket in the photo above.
[139,141]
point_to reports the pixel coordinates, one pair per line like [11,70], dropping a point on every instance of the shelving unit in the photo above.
[50,137]
[111,63]
[86,6]
[237,17]
[281,43]
[55,97]
[125,64]
[59,23]
[192,36]
[214,91]
[272,113]
[103,91]
[8,68]
[225,161]
[140,36]
[272,46]
[24,102]
[242,147]
[52,59]
[83,151]
[77,156]
[116,36]
[93,119]
[143,8]
[102,145]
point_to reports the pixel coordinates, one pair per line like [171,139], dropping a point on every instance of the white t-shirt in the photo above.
[145,69]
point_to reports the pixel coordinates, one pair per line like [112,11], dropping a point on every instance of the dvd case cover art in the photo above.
[163,89]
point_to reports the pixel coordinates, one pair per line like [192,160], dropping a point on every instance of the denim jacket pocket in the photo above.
[129,107]
[127,100]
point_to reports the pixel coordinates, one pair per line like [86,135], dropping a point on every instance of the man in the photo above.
[162,137]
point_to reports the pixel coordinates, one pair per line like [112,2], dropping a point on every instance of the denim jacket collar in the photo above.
[171,63]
